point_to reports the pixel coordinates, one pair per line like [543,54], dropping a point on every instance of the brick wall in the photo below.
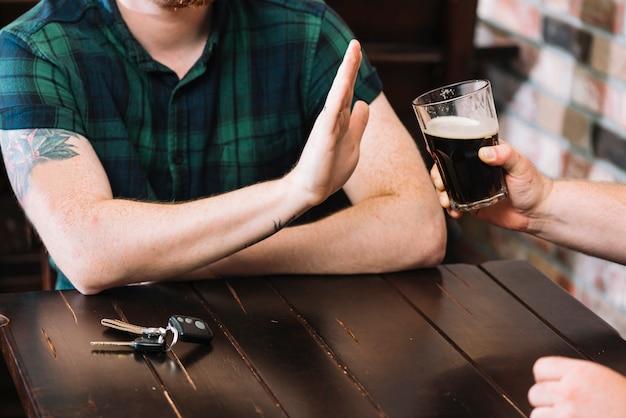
[563,103]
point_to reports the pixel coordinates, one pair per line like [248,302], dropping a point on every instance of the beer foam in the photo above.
[459,127]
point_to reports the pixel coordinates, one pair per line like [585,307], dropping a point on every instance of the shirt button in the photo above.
[178,159]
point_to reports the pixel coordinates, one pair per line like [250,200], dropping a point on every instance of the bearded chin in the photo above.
[181,4]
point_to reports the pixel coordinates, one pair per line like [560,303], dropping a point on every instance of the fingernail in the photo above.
[487,154]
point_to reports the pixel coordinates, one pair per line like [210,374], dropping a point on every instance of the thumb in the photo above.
[505,156]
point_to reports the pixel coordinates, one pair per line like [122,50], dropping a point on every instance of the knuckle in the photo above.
[567,391]
[532,394]
[539,365]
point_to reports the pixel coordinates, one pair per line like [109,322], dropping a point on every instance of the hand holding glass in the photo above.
[457,120]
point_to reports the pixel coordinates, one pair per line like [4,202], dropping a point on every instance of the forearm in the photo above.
[114,242]
[371,237]
[587,217]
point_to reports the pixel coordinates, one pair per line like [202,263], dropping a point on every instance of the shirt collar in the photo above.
[135,52]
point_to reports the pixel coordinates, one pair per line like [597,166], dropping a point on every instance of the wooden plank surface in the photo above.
[402,362]
[450,342]
[46,347]
[308,382]
[567,316]
[500,336]
[201,380]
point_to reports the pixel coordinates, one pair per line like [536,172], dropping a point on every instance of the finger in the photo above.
[543,394]
[436,178]
[551,368]
[543,412]
[455,214]
[505,156]
[358,121]
[444,200]
[342,89]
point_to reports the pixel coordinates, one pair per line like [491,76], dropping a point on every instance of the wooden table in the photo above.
[455,341]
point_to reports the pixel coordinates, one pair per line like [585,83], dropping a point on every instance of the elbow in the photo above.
[83,277]
[86,290]
[90,272]
[429,249]
[436,251]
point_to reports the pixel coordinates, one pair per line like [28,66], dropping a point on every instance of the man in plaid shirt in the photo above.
[153,139]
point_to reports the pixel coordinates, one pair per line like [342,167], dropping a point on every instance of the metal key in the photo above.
[134,329]
[140,344]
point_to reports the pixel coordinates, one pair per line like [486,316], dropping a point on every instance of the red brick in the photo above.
[605,14]
[609,56]
[575,166]
[559,7]
[556,118]
[545,152]
[614,107]
[588,91]
[554,72]
[518,16]
[562,6]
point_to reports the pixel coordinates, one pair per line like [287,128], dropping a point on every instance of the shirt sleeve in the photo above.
[331,46]
[34,92]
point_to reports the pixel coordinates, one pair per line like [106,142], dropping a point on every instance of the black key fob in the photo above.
[150,345]
[191,330]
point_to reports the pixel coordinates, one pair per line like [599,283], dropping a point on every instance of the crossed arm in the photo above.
[394,224]
[101,242]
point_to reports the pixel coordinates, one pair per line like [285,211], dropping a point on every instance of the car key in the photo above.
[189,329]
[140,344]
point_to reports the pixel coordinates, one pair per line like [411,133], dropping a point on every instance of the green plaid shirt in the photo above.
[240,116]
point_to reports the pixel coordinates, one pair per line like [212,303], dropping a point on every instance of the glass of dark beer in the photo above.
[457,120]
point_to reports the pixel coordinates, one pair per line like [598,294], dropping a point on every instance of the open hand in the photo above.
[331,153]
[528,189]
[568,388]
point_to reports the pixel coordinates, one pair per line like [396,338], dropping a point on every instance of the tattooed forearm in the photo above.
[24,149]
[278,225]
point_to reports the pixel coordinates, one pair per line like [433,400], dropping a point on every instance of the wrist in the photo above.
[541,213]
[297,192]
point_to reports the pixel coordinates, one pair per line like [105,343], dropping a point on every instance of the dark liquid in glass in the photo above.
[466,178]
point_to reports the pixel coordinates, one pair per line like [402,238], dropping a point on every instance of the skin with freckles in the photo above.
[564,212]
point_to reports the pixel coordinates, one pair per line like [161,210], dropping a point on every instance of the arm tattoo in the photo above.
[278,225]
[24,149]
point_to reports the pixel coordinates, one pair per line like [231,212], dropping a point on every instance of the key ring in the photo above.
[174,338]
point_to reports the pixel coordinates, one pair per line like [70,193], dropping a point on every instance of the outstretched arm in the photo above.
[100,242]
[582,215]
